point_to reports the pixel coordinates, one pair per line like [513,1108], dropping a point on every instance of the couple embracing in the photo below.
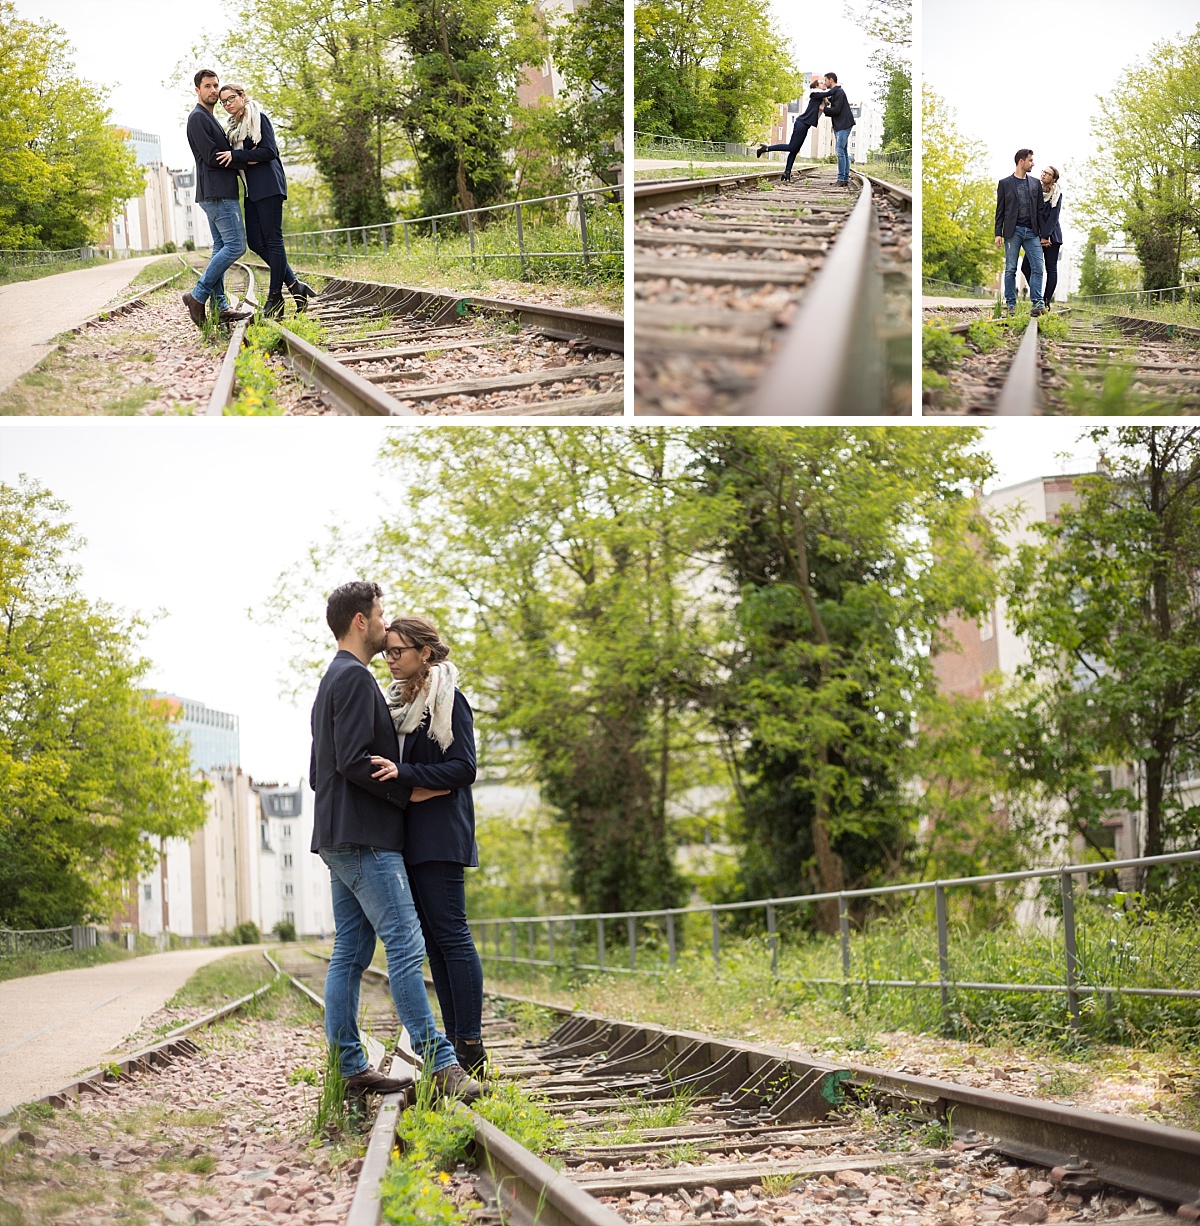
[243,154]
[1027,217]
[395,825]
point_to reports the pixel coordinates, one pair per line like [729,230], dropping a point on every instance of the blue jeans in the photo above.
[440,894]
[1023,237]
[229,244]
[371,896]
[843,154]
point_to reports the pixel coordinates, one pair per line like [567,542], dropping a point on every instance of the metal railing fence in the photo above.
[360,242]
[16,941]
[25,257]
[949,289]
[647,143]
[895,159]
[563,946]
[1187,295]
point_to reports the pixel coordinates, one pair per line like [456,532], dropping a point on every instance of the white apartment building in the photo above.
[294,882]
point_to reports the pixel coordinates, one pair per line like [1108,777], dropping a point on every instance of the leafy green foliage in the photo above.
[958,205]
[88,762]
[847,548]
[1110,602]
[63,167]
[941,348]
[522,1118]
[285,930]
[986,334]
[1053,327]
[709,69]
[1143,173]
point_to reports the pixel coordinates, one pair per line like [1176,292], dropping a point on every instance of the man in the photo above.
[800,129]
[1019,221]
[217,195]
[837,107]
[359,834]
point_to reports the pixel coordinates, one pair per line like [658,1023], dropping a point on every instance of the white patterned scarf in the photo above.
[248,125]
[436,697]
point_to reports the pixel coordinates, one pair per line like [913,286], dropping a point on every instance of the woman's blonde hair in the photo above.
[420,632]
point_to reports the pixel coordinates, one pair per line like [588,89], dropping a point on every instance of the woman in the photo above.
[1052,238]
[437,750]
[256,156]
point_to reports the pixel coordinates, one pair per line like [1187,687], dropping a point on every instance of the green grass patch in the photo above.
[224,980]
[940,348]
[12,273]
[63,960]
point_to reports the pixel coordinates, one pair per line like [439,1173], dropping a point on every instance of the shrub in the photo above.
[246,933]
[940,348]
[285,930]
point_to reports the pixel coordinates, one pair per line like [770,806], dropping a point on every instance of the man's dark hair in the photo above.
[832,76]
[204,72]
[1021,155]
[347,601]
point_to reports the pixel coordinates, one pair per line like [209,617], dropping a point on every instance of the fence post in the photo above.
[471,237]
[600,942]
[844,929]
[670,942]
[1066,888]
[532,955]
[716,938]
[943,938]
[435,235]
[521,241]
[349,248]
[631,924]
[550,938]
[407,243]
[772,940]
[583,231]
[512,925]
[383,235]
[572,942]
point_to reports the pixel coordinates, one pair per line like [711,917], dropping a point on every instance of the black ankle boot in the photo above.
[761,150]
[273,307]
[301,292]
[471,1054]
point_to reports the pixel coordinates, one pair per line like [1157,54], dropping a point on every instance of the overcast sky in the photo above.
[131,49]
[198,518]
[1038,89]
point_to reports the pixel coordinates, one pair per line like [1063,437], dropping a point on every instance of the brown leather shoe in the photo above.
[372,1081]
[195,309]
[453,1082]
[233,315]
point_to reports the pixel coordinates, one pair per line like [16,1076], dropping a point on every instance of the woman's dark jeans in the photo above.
[440,895]
[264,236]
[799,132]
[1050,256]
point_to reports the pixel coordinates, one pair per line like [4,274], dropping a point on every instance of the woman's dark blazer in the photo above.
[442,828]
[1051,228]
[267,177]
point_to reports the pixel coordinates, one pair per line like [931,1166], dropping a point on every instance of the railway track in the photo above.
[398,351]
[661,1125]
[1104,364]
[759,297]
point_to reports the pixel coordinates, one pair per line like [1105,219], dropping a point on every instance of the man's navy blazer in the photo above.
[442,828]
[207,138]
[840,113]
[1007,201]
[266,177]
[350,722]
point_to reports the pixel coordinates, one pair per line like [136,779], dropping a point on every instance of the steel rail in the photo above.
[903,195]
[666,193]
[831,361]
[222,393]
[1020,397]
[1150,1159]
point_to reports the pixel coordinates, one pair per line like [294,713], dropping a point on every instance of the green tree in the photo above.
[63,167]
[847,548]
[466,59]
[1095,276]
[1145,175]
[89,768]
[890,22]
[958,205]
[1109,602]
[897,110]
[709,69]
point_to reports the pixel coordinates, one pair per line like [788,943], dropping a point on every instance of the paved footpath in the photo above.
[55,1026]
[33,313]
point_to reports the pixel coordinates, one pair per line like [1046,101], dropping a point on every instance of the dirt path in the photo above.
[32,313]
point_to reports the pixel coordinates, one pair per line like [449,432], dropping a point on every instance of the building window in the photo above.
[287,859]
[287,890]
[287,832]
[291,915]
[147,891]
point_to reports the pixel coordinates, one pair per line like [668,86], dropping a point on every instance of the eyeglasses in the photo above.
[394,653]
